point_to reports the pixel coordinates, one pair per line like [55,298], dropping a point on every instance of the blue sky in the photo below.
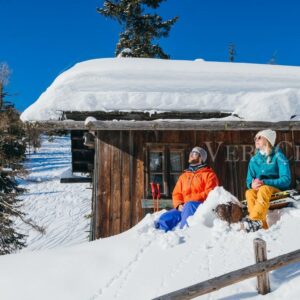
[41,39]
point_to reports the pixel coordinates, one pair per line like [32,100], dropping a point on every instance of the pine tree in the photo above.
[232,52]
[12,152]
[4,74]
[10,239]
[273,60]
[140,28]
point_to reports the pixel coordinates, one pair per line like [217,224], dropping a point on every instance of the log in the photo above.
[214,125]
[75,179]
[192,125]
[217,283]
[263,282]
[59,125]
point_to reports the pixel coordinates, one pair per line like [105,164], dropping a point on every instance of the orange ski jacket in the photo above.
[194,186]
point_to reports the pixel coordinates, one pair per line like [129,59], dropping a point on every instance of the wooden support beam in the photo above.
[60,125]
[75,179]
[219,282]
[162,203]
[260,250]
[215,125]
[83,150]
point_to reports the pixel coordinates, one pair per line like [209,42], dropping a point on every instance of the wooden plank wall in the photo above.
[119,179]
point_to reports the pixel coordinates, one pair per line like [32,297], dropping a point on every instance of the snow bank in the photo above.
[62,209]
[144,263]
[205,213]
[253,92]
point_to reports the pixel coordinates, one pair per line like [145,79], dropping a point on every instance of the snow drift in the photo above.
[253,92]
[143,262]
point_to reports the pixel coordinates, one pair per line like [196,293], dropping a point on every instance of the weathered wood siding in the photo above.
[119,168]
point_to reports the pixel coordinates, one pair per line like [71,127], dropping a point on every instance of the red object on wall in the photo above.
[155,190]
[158,191]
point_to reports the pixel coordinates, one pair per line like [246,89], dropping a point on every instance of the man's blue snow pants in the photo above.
[168,220]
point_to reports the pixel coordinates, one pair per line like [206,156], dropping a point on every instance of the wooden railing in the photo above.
[260,269]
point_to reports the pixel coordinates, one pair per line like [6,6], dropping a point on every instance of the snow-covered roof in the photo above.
[251,91]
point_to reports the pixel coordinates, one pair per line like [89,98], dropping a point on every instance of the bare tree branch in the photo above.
[4,73]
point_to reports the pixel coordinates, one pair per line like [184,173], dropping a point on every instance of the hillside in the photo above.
[141,263]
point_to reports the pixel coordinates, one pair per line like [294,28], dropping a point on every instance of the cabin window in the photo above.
[156,168]
[164,163]
[176,167]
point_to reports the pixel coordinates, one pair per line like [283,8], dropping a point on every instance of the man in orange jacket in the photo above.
[191,190]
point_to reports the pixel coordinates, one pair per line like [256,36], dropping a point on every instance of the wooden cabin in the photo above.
[149,113]
[131,154]
[128,159]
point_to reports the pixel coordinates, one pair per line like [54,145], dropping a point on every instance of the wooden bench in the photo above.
[278,200]
[281,199]
[75,179]
[162,203]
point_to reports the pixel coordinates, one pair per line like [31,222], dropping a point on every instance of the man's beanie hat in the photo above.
[202,153]
[269,134]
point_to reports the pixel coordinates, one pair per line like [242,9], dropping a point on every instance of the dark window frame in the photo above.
[166,149]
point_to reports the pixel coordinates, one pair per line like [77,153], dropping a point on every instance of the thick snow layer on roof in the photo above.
[253,92]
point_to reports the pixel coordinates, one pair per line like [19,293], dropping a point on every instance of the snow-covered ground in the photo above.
[62,209]
[141,263]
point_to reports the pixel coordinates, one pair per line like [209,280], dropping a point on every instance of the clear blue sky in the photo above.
[40,39]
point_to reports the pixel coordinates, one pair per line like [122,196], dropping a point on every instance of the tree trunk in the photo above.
[1,95]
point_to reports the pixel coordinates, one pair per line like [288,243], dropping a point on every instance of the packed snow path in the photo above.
[61,208]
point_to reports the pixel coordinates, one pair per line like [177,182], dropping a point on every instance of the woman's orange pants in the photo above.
[258,203]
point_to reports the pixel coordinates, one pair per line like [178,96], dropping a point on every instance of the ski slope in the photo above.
[60,208]
[141,263]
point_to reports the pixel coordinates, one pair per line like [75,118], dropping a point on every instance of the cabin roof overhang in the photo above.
[213,125]
[145,115]
[171,120]
[191,125]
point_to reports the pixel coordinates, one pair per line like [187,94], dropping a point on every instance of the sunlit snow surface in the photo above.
[141,263]
[253,92]
[60,208]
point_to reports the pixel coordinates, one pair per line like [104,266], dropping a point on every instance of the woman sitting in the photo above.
[268,173]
